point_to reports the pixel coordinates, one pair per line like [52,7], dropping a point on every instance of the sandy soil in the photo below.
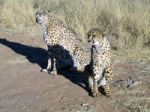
[23,88]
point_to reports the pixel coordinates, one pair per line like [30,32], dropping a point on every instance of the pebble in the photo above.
[85,104]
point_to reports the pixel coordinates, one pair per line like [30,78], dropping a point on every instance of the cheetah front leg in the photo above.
[107,89]
[54,69]
[95,87]
[51,67]
[93,81]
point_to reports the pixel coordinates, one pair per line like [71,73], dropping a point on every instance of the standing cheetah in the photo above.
[100,65]
[61,41]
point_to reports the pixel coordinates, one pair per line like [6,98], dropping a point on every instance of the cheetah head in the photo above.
[41,17]
[95,37]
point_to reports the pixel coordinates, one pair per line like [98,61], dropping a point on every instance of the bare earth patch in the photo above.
[23,88]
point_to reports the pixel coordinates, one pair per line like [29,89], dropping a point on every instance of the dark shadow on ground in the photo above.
[76,77]
[40,57]
[33,54]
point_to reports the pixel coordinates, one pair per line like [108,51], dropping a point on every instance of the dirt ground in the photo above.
[24,88]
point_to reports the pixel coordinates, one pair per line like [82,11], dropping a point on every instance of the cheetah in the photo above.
[61,41]
[100,66]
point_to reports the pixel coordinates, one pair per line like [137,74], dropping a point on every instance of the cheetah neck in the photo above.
[97,48]
[45,29]
[45,32]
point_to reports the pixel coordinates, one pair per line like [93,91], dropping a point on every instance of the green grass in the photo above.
[126,21]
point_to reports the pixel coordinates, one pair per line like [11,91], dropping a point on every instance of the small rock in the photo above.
[63,97]
[85,104]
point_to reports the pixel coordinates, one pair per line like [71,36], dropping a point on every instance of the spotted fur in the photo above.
[61,41]
[100,65]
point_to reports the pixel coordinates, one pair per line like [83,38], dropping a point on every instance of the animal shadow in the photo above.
[40,56]
[64,62]
[33,54]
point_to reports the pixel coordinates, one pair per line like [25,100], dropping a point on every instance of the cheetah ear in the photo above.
[40,12]
[103,35]
[100,34]
[88,35]
[37,12]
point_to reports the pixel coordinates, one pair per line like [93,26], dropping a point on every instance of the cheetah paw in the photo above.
[44,70]
[52,72]
[95,94]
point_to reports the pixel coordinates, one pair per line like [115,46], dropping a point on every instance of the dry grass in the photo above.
[126,21]
[136,99]
[137,102]
[17,13]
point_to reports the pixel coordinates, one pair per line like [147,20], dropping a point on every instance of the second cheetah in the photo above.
[100,65]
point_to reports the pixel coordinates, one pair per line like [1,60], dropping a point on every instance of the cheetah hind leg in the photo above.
[109,74]
[51,67]
[54,70]
[107,90]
